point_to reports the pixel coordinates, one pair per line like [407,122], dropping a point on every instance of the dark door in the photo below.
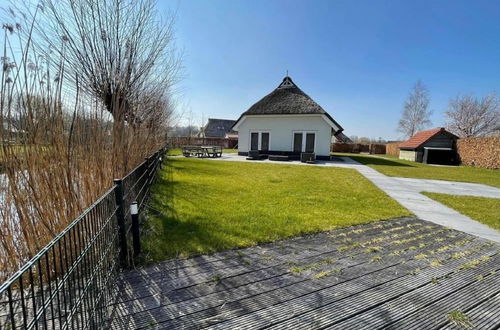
[254,141]
[442,157]
[297,142]
[265,142]
[310,142]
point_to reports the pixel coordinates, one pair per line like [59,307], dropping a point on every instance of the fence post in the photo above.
[136,235]
[120,216]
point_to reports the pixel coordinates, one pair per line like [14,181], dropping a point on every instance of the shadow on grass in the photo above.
[207,167]
[370,160]
[169,234]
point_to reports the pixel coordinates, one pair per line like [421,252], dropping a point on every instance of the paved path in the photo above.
[396,274]
[407,192]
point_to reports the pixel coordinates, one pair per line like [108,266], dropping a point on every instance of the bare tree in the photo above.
[119,49]
[191,123]
[88,84]
[470,116]
[416,115]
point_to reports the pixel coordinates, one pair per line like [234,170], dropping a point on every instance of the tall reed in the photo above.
[60,146]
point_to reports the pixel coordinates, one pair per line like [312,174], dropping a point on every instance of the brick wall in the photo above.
[392,149]
[377,148]
[355,148]
[480,151]
[373,148]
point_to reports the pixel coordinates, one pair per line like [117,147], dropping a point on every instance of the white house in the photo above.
[286,122]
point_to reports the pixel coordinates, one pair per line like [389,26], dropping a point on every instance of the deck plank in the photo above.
[290,286]
[331,280]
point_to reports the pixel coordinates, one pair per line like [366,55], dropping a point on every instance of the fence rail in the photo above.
[71,282]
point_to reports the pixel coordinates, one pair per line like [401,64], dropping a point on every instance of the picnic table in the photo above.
[202,151]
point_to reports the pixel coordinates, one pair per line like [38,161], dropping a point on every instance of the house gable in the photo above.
[425,137]
[288,99]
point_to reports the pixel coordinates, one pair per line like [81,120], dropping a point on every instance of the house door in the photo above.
[264,143]
[310,142]
[254,141]
[297,142]
[303,142]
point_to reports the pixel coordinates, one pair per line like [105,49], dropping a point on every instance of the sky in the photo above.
[357,59]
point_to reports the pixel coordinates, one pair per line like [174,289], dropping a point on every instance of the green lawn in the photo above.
[402,168]
[482,209]
[202,206]
[178,151]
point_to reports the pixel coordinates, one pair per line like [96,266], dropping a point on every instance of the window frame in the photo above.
[259,139]
[304,137]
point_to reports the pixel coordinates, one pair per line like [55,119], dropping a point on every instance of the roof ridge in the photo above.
[221,119]
[421,137]
[287,83]
[430,130]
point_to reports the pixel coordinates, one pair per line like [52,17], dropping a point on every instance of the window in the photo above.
[260,141]
[304,141]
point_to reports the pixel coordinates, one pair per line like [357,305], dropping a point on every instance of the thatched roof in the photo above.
[287,99]
[341,137]
[217,127]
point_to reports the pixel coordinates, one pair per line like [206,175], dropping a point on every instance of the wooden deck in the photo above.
[397,274]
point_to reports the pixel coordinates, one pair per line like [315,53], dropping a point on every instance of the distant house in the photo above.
[286,122]
[217,128]
[435,146]
[11,130]
[341,137]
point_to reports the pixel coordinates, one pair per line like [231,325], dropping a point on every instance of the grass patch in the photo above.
[482,209]
[373,249]
[436,263]
[402,168]
[459,319]
[321,275]
[201,206]
[420,256]
[178,151]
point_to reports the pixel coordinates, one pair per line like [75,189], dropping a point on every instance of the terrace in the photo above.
[402,273]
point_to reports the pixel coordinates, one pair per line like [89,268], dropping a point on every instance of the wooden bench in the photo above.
[191,151]
[214,151]
[202,151]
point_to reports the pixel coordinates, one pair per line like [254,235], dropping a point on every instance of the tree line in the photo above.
[466,115]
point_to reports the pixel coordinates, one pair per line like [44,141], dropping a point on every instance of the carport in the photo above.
[435,146]
[436,155]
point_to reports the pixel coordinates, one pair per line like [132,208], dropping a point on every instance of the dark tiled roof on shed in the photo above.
[421,137]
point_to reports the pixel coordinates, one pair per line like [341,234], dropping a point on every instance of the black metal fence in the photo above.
[71,282]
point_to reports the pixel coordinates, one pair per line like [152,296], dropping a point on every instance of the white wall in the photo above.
[408,155]
[281,128]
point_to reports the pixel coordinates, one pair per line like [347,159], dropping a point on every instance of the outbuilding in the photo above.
[217,128]
[286,122]
[435,146]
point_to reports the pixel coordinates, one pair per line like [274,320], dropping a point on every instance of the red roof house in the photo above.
[436,146]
